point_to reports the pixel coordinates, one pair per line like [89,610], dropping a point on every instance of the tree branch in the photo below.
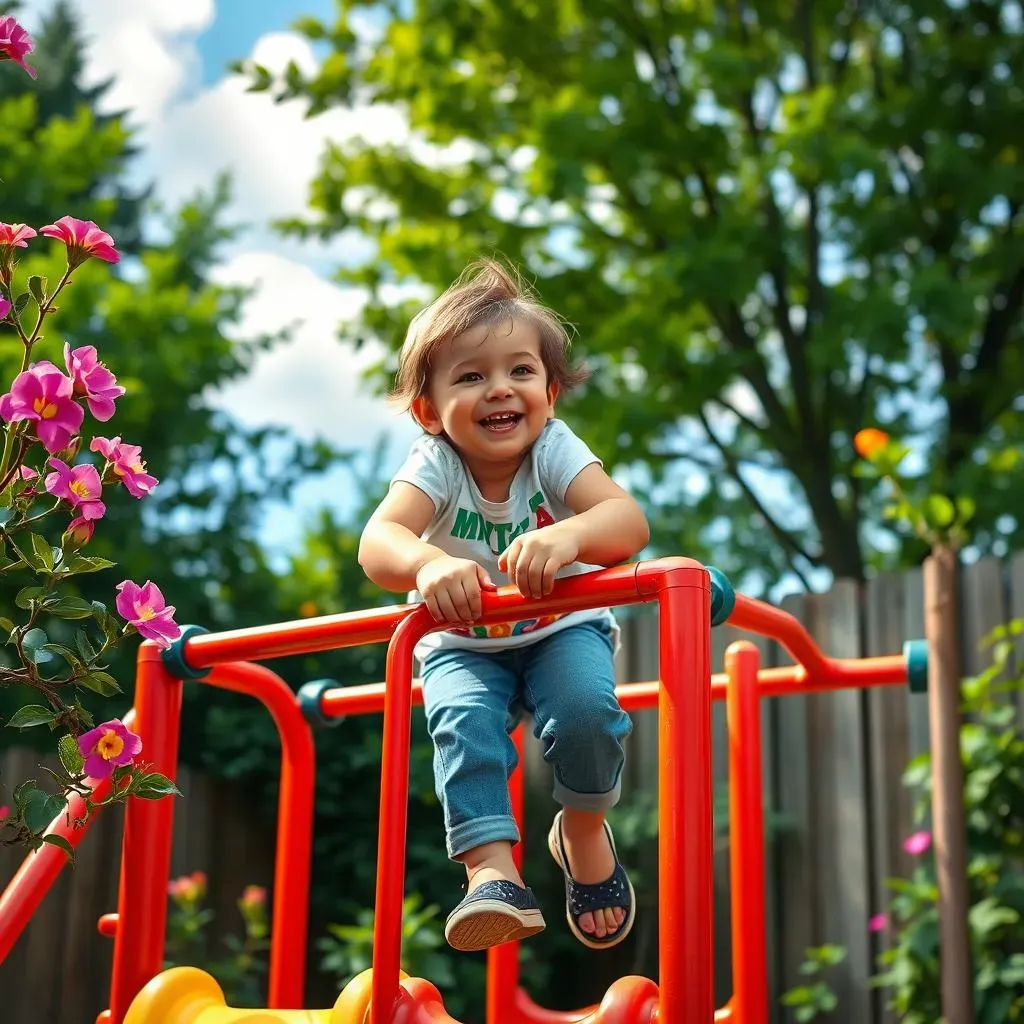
[788,542]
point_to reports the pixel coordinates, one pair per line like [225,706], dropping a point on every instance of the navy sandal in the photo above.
[493,913]
[580,898]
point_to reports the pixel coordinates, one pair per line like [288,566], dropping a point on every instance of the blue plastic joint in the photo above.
[915,652]
[309,703]
[174,656]
[723,597]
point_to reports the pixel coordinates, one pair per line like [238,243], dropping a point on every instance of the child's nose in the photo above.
[499,387]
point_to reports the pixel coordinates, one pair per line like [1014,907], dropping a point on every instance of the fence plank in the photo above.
[840,802]
[913,629]
[983,607]
[1016,611]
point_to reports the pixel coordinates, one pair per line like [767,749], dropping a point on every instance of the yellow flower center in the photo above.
[80,488]
[144,613]
[47,410]
[110,745]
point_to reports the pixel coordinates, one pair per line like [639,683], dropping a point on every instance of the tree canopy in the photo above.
[772,224]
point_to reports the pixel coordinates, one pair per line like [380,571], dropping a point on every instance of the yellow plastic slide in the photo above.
[187,995]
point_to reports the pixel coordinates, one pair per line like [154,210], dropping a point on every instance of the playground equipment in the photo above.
[691,598]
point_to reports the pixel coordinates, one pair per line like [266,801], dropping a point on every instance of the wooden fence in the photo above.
[832,785]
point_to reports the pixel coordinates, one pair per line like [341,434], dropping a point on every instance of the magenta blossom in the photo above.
[12,235]
[878,923]
[127,463]
[107,747]
[93,380]
[15,44]
[80,487]
[43,394]
[144,608]
[5,308]
[79,531]
[84,240]
[918,843]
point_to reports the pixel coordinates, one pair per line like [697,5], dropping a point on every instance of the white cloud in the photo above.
[312,384]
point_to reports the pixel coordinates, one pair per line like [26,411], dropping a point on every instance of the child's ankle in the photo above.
[490,862]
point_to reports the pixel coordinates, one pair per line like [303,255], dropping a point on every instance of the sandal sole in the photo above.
[488,923]
[621,932]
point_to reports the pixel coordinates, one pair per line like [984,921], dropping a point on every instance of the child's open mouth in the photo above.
[501,422]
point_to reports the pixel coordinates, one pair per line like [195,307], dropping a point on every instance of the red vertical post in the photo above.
[503,960]
[146,848]
[685,841]
[746,842]
[394,799]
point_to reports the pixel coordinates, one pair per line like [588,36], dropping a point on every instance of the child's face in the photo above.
[489,392]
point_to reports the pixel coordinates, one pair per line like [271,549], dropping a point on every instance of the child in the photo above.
[497,486]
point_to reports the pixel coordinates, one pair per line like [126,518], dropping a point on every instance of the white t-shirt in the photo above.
[467,525]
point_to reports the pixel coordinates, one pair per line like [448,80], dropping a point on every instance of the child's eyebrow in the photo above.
[462,366]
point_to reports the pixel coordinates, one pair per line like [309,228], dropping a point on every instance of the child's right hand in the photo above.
[451,588]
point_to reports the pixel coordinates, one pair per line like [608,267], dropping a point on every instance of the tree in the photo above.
[773,224]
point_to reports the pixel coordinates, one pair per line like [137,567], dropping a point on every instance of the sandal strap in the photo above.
[586,898]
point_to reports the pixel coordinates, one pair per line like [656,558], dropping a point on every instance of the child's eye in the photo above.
[523,368]
[468,378]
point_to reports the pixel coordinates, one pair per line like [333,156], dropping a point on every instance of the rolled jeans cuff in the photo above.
[494,828]
[587,801]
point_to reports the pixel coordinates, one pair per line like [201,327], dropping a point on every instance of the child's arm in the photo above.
[608,527]
[392,554]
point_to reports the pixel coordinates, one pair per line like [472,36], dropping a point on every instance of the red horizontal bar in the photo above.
[620,584]
[889,670]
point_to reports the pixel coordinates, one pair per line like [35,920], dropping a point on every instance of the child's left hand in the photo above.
[532,559]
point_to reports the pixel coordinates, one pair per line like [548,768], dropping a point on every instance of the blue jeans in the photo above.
[473,702]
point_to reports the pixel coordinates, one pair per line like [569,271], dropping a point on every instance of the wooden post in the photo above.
[941,625]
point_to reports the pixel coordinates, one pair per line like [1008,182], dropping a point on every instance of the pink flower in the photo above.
[27,473]
[916,844]
[43,394]
[188,888]
[5,308]
[145,609]
[253,896]
[127,463]
[5,811]
[79,531]
[12,235]
[878,923]
[84,240]
[80,487]
[107,747]
[15,44]
[93,380]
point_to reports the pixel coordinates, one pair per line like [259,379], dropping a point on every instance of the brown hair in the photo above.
[486,292]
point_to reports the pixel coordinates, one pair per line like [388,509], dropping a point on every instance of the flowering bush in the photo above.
[240,972]
[51,498]
[992,748]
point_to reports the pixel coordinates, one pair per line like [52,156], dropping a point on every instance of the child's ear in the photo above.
[552,394]
[426,415]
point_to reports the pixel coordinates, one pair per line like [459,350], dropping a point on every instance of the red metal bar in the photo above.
[767,620]
[616,585]
[39,870]
[503,960]
[391,830]
[685,840]
[290,918]
[746,825]
[838,674]
[146,848]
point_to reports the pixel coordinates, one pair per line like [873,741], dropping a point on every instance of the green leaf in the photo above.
[85,648]
[40,808]
[37,286]
[43,552]
[940,510]
[20,303]
[87,563]
[69,607]
[63,844]
[33,643]
[6,625]
[70,755]
[29,716]
[27,595]
[154,786]
[99,682]
[988,915]
[965,508]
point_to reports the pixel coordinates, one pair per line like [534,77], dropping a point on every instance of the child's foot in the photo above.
[497,908]
[600,903]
